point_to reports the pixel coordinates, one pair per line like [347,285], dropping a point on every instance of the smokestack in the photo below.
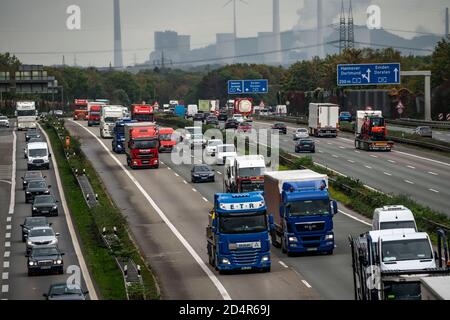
[320,50]
[276,32]
[447,24]
[118,61]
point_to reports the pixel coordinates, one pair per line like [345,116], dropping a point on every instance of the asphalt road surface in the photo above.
[437,134]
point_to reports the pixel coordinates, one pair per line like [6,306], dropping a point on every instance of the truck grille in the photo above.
[145,156]
[244,257]
[40,243]
[311,238]
[308,227]
[38,161]
[45,263]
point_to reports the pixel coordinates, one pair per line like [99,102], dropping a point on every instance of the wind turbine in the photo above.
[234,14]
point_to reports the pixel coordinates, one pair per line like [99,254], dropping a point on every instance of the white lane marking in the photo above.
[368,167]
[423,158]
[176,174]
[329,143]
[351,161]
[407,181]
[392,161]
[8,227]
[184,181]
[354,218]
[7,244]
[411,167]
[306,284]
[12,199]
[169,168]
[320,151]
[432,190]
[7,254]
[341,147]
[5,288]
[373,156]
[8,219]
[219,172]
[5,264]
[335,156]
[357,151]
[193,189]
[161,162]
[5,276]
[283,264]
[7,235]
[387,173]
[434,174]
[223,292]
[73,235]
[204,199]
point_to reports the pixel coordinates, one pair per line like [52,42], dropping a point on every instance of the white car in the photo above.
[196,139]
[41,237]
[4,122]
[225,151]
[301,133]
[238,117]
[211,146]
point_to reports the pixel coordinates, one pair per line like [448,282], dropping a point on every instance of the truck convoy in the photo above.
[371,131]
[119,135]
[142,113]
[244,174]
[238,232]
[303,212]
[141,145]
[109,116]
[26,114]
[94,113]
[323,119]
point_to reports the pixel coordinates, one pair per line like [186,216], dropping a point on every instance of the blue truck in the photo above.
[180,110]
[303,212]
[238,232]
[119,135]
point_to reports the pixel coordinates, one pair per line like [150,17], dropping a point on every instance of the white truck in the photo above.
[192,109]
[26,115]
[323,120]
[244,174]
[281,110]
[109,116]
[393,217]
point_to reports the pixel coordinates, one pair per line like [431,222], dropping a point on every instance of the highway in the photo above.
[437,134]
[16,284]
[419,174]
[177,206]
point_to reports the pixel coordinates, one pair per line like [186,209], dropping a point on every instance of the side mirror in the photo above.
[270,219]
[57,234]
[49,186]
[49,155]
[27,255]
[21,178]
[50,224]
[45,295]
[86,292]
[62,253]
[335,207]
[57,201]
[45,177]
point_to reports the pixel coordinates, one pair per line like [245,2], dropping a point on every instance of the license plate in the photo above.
[45,267]
[328,131]
[204,178]
[311,249]
[45,211]
[246,268]
[145,162]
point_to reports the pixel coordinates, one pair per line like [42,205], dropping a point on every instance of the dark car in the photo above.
[212,120]
[48,260]
[202,172]
[30,176]
[63,291]
[231,124]
[32,133]
[36,188]
[199,117]
[280,126]
[44,205]
[345,116]
[33,222]
[222,117]
[305,145]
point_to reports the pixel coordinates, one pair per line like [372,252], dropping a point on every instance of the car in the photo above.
[38,155]
[280,126]
[36,188]
[44,205]
[211,146]
[212,120]
[45,259]
[199,117]
[32,133]
[301,133]
[35,140]
[41,237]
[4,122]
[244,127]
[345,116]
[231,124]
[30,176]
[305,145]
[196,140]
[225,151]
[424,132]
[33,222]
[202,172]
[238,117]
[189,131]
[222,117]
[58,113]
[64,291]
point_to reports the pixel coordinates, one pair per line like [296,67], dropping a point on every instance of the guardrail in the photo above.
[417,123]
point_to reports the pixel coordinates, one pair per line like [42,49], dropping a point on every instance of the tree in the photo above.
[120,97]
[440,66]
[9,62]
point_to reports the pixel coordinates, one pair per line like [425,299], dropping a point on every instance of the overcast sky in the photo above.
[28,27]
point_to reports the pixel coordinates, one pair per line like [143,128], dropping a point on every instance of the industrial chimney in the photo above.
[118,61]
[277,58]
[320,47]
[447,24]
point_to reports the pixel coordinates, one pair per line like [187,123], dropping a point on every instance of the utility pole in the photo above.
[342,30]
[350,29]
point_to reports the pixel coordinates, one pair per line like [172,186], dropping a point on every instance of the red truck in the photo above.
[142,112]
[141,145]
[166,141]
[80,114]
[94,114]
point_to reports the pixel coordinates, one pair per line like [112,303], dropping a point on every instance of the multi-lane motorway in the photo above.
[15,282]
[168,215]
[437,134]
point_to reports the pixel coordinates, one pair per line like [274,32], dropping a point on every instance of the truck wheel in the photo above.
[283,245]
[275,243]
[329,252]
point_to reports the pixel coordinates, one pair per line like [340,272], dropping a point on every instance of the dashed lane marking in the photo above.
[410,182]
[306,284]
[433,190]
[283,264]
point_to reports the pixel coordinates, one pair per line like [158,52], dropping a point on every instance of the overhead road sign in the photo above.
[368,74]
[235,87]
[248,86]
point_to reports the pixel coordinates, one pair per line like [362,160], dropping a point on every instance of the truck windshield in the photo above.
[119,129]
[403,250]
[26,113]
[143,117]
[377,122]
[37,152]
[252,186]
[165,137]
[243,224]
[251,172]
[309,208]
[94,113]
[397,225]
[144,144]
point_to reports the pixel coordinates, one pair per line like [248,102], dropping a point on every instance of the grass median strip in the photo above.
[89,223]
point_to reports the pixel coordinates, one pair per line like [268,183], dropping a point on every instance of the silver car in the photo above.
[301,133]
[4,122]
[41,237]
[424,132]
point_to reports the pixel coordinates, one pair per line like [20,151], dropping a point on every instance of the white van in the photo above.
[225,151]
[38,156]
[393,217]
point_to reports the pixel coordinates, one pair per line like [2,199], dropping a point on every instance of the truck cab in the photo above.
[302,209]
[142,113]
[238,232]
[141,145]
[109,116]
[393,217]
[80,114]
[244,173]
[94,113]
[166,139]
[119,135]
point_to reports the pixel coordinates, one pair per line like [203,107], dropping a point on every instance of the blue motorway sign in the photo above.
[248,86]
[368,74]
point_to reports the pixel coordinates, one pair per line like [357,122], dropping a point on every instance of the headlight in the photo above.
[47,191]
[195,175]
[55,207]
[27,192]
[329,237]
[265,259]
[59,261]
[225,261]
[29,242]
[31,263]
[53,241]
[34,208]
[292,239]
[211,174]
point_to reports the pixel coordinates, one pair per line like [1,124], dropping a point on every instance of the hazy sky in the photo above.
[36,29]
